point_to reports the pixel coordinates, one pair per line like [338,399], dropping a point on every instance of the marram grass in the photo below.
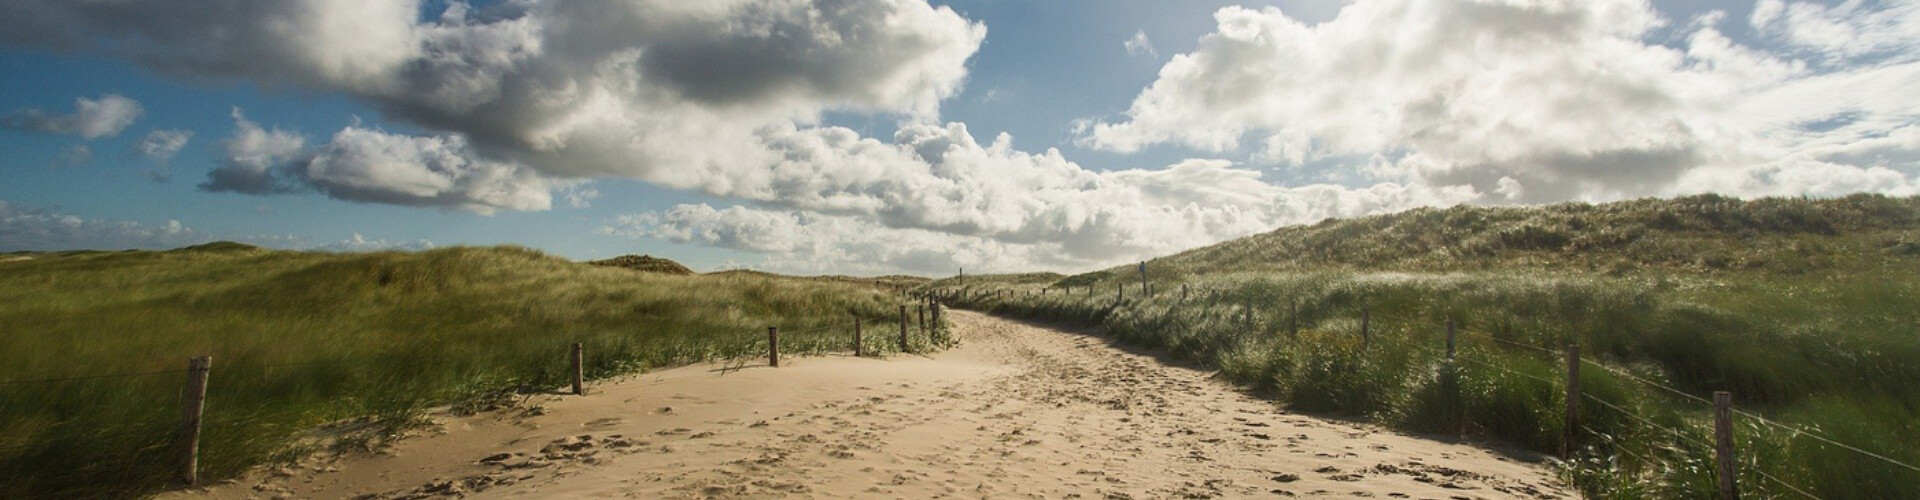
[1807,310]
[303,339]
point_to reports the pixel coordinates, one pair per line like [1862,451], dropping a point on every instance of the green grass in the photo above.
[1804,309]
[303,339]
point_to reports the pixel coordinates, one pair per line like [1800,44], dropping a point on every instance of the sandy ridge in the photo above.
[1018,411]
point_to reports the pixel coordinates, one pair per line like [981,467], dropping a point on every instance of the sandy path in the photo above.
[1016,411]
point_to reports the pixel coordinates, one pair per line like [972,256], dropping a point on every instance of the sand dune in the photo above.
[1018,411]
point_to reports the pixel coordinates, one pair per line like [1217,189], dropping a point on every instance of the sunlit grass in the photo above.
[1804,309]
[301,339]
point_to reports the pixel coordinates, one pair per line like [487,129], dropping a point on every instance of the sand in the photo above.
[1017,411]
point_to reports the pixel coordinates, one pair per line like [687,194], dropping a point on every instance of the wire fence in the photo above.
[992,292]
[930,327]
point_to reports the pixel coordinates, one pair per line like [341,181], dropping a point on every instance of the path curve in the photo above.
[1017,411]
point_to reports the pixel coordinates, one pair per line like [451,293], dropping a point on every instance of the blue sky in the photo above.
[874,151]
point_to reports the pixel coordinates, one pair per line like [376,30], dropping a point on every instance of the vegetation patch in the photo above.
[97,342]
[1802,308]
[645,263]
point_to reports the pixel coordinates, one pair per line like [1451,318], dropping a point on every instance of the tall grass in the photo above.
[1802,308]
[302,339]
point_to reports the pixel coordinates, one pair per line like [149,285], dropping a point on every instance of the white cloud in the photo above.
[1842,32]
[91,119]
[253,153]
[38,230]
[1542,101]
[1139,45]
[371,166]
[665,91]
[360,243]
[936,197]
[23,229]
[161,145]
[367,165]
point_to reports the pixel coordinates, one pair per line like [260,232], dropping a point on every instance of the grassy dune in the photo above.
[301,339]
[1804,309]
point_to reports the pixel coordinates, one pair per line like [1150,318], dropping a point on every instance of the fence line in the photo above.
[194,395]
[1414,319]
[90,377]
[1613,406]
[1809,433]
[1504,369]
[1770,477]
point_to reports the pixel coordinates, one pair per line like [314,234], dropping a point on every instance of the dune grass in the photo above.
[1804,309]
[302,339]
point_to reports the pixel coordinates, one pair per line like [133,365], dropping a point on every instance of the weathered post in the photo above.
[944,335]
[903,329]
[1183,292]
[192,405]
[773,346]
[1366,321]
[579,355]
[1723,444]
[922,312]
[1573,401]
[856,337]
[1145,289]
[1120,293]
[1248,319]
[1449,338]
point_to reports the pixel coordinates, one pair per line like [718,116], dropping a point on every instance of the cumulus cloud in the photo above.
[371,166]
[1537,101]
[161,145]
[253,155]
[91,119]
[360,243]
[40,229]
[1139,45]
[658,90]
[935,197]
[26,229]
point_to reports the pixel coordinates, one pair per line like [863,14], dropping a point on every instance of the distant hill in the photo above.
[218,247]
[646,263]
[1706,233]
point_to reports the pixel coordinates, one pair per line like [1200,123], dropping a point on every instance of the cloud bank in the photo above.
[1541,101]
[1410,103]
[41,229]
[25,229]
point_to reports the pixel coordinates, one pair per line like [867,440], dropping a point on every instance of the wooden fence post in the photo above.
[1366,320]
[1145,289]
[922,312]
[856,337]
[578,371]
[1572,425]
[1449,338]
[773,346]
[192,406]
[1183,292]
[1723,444]
[903,329]
[1246,319]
